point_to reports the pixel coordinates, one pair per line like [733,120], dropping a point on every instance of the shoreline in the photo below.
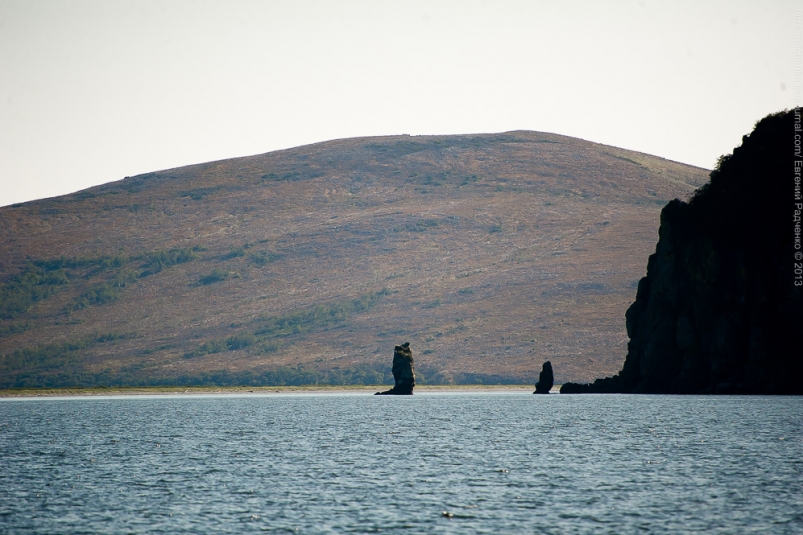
[195,390]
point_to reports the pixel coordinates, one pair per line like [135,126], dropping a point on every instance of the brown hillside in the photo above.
[489,253]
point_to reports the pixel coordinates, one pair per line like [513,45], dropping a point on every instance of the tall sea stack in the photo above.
[403,372]
[545,379]
[721,308]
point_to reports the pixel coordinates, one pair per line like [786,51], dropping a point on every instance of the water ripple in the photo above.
[462,463]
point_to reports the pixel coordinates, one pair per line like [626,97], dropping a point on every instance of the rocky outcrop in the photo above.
[720,310]
[403,372]
[545,379]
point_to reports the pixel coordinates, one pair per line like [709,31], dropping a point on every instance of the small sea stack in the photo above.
[403,372]
[545,379]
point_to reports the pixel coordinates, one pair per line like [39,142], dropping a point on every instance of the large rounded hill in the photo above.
[488,253]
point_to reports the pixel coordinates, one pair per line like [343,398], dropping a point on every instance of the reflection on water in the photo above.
[457,463]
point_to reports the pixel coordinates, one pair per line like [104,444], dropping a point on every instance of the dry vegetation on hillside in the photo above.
[489,253]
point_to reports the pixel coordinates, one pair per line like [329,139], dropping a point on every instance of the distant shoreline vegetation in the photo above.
[273,389]
[50,357]
[53,365]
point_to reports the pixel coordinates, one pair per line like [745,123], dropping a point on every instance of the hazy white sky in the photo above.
[92,91]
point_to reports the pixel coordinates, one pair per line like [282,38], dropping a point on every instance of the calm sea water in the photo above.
[437,463]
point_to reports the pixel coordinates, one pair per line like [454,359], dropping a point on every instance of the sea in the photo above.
[458,462]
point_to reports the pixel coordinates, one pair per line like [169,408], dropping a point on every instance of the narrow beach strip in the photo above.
[195,390]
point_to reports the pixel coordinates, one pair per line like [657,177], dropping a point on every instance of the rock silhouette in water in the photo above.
[403,372]
[545,379]
[721,307]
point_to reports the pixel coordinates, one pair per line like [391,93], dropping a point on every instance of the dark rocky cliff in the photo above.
[719,310]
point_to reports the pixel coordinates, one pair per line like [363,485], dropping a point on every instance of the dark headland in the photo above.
[719,311]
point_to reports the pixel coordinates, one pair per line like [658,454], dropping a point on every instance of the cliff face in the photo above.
[719,310]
